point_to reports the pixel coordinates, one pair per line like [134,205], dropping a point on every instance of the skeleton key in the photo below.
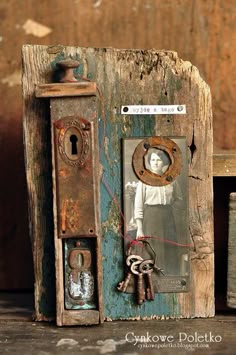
[140,285]
[146,267]
[132,258]
[124,284]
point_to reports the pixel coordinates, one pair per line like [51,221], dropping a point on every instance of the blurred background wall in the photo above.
[201,31]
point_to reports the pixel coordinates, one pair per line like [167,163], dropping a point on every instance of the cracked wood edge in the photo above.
[197,127]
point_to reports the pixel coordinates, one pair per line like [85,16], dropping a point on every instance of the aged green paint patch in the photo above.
[174,84]
[116,305]
[119,305]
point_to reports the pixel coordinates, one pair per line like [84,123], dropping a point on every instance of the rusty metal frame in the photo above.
[166,145]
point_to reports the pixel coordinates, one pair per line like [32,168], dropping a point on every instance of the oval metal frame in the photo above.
[166,145]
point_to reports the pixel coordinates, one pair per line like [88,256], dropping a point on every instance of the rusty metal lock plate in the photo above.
[75,176]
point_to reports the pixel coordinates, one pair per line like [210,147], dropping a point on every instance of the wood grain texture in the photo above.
[33,338]
[231,280]
[130,77]
[195,29]
[58,90]
[81,317]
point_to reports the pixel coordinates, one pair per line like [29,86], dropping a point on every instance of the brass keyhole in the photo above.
[74,140]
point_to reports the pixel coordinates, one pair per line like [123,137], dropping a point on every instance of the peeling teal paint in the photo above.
[174,84]
[119,305]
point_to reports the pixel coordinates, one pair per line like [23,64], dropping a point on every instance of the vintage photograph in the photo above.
[158,214]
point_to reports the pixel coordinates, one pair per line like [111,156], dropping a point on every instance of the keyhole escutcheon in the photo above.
[74,140]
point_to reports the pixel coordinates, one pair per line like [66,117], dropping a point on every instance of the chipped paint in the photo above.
[106,150]
[55,49]
[106,346]
[36,29]
[12,79]
[113,220]
[79,274]
[84,288]
[126,126]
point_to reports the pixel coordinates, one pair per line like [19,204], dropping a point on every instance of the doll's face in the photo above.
[156,163]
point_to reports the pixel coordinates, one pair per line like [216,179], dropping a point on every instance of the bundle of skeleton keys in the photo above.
[142,270]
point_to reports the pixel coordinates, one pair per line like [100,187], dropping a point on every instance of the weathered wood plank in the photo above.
[39,181]
[126,77]
[81,317]
[72,89]
[85,107]
[231,279]
[196,96]
[198,336]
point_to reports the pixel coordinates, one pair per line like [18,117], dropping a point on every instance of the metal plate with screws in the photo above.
[169,148]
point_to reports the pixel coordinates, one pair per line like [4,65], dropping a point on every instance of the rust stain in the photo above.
[64,173]
[63,215]
[73,215]
[70,215]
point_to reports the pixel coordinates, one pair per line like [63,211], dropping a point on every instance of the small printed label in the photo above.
[153,110]
[173,284]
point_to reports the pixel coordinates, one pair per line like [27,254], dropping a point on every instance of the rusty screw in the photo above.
[146,145]
[68,65]
[169,178]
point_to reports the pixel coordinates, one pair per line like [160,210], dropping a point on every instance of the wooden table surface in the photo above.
[19,334]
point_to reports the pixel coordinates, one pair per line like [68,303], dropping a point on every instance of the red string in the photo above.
[164,240]
[118,206]
[127,236]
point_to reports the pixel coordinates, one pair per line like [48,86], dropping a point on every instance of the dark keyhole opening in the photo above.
[74,140]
